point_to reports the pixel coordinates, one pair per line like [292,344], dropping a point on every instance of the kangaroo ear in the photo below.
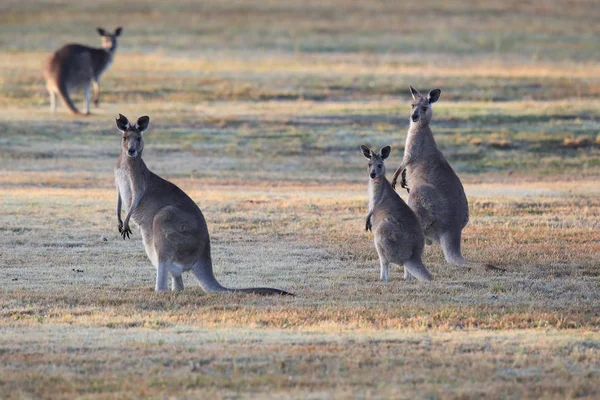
[142,123]
[101,31]
[118,31]
[385,152]
[434,95]
[415,93]
[366,151]
[122,123]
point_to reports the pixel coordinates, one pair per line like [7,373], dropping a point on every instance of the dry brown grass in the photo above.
[531,331]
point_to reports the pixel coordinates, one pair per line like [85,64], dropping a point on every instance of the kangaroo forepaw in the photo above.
[403,183]
[394,181]
[368,225]
[125,231]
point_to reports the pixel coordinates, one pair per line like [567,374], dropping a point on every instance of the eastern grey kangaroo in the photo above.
[75,66]
[436,194]
[173,228]
[398,236]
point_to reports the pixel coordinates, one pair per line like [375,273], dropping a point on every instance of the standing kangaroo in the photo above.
[436,194]
[75,66]
[398,235]
[173,228]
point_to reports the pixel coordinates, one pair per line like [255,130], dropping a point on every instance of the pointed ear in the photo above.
[101,31]
[415,93]
[434,95]
[142,123]
[122,123]
[118,31]
[385,152]
[366,151]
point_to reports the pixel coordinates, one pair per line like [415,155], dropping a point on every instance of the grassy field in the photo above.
[257,111]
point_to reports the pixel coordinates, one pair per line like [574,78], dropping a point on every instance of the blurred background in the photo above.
[290,80]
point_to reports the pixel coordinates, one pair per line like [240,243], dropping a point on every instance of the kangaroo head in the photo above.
[421,107]
[133,136]
[109,40]
[376,166]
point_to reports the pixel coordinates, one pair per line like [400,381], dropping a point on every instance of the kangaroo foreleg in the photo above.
[119,205]
[126,229]
[368,224]
[403,181]
[396,174]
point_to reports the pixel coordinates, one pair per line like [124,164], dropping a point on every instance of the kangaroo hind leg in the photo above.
[407,275]
[384,272]
[86,94]
[96,93]
[177,283]
[162,277]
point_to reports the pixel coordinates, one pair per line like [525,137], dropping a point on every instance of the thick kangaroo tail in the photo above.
[418,270]
[263,291]
[63,93]
[451,247]
[487,267]
[204,273]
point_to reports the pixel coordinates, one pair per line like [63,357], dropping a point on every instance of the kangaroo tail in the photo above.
[472,264]
[63,93]
[418,270]
[263,291]
[459,260]
[450,243]
[488,267]
[208,282]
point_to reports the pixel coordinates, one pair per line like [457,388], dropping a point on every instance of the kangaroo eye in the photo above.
[379,166]
[124,138]
[413,105]
[424,108]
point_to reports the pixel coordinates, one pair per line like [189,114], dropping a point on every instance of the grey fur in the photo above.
[397,233]
[436,194]
[172,226]
[75,66]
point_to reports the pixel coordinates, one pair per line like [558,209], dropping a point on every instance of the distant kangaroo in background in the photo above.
[436,194]
[75,66]
[398,235]
[173,228]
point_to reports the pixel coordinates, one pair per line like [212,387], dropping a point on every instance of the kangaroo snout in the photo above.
[131,152]
[414,117]
[373,175]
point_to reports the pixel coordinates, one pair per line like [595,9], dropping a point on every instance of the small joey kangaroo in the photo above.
[436,193]
[75,66]
[172,226]
[398,235]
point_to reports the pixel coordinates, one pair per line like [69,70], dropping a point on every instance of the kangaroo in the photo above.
[436,194]
[172,226]
[398,235]
[75,66]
